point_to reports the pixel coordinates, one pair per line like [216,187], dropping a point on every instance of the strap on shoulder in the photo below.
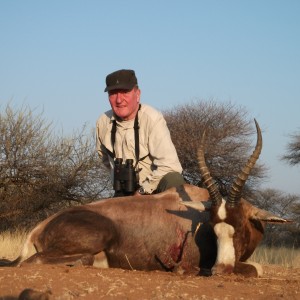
[136,128]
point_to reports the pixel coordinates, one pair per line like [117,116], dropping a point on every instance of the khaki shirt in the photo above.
[155,145]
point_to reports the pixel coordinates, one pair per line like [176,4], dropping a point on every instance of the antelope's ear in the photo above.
[265,216]
[198,205]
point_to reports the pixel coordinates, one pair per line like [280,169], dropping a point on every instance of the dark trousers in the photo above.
[172,179]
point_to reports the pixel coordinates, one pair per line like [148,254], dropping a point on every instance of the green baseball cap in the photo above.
[121,79]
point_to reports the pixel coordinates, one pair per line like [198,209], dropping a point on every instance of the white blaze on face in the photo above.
[226,253]
[224,233]
[222,211]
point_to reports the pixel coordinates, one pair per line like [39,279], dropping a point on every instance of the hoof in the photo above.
[205,272]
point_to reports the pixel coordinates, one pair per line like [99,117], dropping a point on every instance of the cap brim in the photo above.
[119,87]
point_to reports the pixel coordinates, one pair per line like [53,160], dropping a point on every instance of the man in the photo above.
[134,142]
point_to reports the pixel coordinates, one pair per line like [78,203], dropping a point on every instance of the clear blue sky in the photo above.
[54,56]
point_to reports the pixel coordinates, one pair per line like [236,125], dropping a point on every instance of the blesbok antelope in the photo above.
[175,230]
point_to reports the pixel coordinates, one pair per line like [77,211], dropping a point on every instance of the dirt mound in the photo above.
[60,282]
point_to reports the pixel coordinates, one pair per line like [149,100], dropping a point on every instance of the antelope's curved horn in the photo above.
[238,184]
[211,186]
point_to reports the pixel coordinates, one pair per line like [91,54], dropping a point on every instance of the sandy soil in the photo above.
[61,282]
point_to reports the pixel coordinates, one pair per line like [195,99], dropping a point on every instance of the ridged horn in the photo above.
[237,186]
[211,186]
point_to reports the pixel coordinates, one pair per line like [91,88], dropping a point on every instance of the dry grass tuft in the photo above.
[283,256]
[11,244]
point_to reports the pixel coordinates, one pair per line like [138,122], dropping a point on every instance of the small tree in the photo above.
[293,150]
[228,145]
[41,172]
[286,206]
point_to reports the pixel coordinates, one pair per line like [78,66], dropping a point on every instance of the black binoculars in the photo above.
[125,180]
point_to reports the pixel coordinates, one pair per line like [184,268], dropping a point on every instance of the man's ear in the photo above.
[138,94]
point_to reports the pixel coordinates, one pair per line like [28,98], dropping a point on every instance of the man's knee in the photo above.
[172,179]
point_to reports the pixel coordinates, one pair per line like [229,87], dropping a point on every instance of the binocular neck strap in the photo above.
[136,136]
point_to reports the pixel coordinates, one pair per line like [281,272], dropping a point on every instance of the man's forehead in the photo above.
[121,91]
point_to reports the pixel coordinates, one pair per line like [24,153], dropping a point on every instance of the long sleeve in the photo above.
[162,152]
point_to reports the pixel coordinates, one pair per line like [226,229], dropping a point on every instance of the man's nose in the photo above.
[119,97]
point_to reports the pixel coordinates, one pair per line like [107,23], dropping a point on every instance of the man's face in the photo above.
[125,103]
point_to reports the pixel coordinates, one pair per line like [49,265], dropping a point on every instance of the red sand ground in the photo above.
[90,283]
